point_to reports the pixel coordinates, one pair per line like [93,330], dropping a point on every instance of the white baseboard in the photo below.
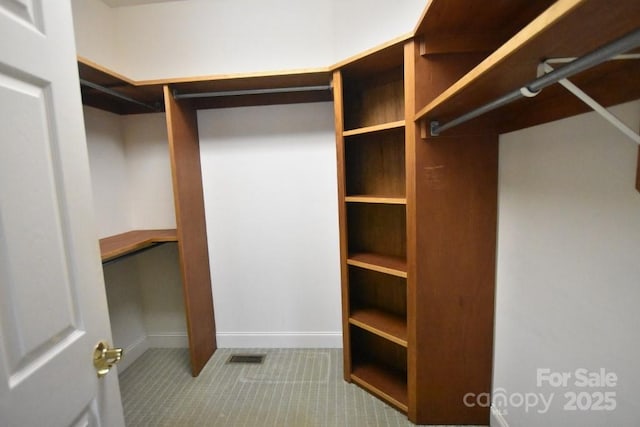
[168,340]
[132,352]
[279,339]
[135,350]
[497,420]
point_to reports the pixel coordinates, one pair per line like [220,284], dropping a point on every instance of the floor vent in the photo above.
[246,358]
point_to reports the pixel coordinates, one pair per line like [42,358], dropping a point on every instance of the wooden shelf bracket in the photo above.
[597,56]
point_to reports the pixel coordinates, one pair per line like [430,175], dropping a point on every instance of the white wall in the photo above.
[148,171]
[121,281]
[568,265]
[108,166]
[94,27]
[359,25]
[130,171]
[223,36]
[161,295]
[131,182]
[203,37]
[270,190]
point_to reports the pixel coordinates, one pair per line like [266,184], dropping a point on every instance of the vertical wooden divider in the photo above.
[338,108]
[410,177]
[638,172]
[184,149]
[451,273]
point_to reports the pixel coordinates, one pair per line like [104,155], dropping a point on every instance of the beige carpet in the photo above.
[293,387]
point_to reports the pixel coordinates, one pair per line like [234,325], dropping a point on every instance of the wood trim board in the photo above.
[184,149]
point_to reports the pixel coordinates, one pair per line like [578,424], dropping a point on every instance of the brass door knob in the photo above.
[104,357]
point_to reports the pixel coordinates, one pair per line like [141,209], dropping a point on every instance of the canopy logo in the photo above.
[582,390]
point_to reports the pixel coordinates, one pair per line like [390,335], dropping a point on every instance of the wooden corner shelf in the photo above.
[394,266]
[568,28]
[381,323]
[387,384]
[119,245]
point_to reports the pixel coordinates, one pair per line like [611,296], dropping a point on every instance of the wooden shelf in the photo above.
[380,263]
[568,28]
[387,200]
[383,324]
[460,26]
[94,73]
[225,87]
[389,385]
[122,244]
[373,129]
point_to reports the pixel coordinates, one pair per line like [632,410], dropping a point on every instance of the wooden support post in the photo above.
[452,220]
[184,149]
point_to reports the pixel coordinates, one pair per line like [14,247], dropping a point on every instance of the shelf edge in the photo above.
[378,268]
[376,199]
[389,337]
[375,128]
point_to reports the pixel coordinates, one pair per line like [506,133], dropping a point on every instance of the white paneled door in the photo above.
[52,302]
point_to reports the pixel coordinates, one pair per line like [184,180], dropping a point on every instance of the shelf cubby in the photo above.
[375,164]
[374,100]
[377,229]
[378,304]
[380,367]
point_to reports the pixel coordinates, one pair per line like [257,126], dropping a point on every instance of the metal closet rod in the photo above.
[116,94]
[177,95]
[621,45]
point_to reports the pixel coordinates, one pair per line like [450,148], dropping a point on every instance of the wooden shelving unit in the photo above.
[418,225]
[119,245]
[370,133]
